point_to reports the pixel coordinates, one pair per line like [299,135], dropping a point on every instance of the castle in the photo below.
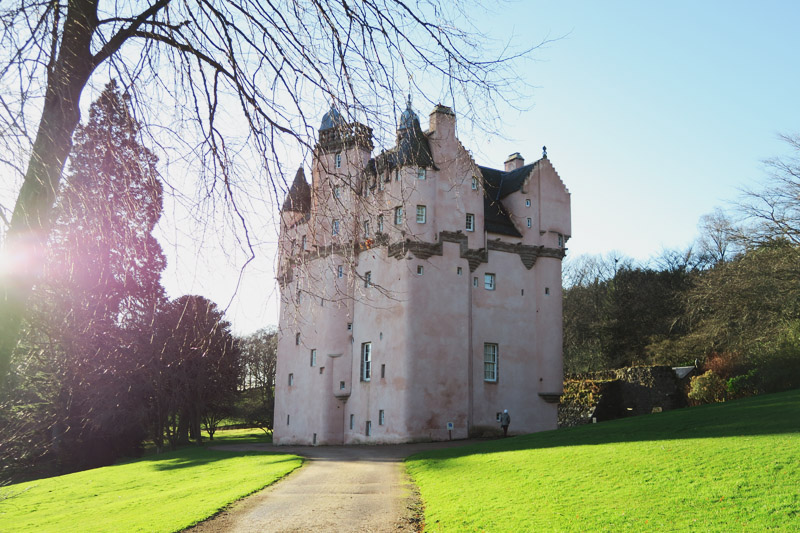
[420,292]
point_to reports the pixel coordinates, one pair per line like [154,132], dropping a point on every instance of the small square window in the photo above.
[353,421]
[529,222]
[421,174]
[338,160]
[398,215]
[459,271]
[335,228]
[421,214]
[368,431]
[313,357]
[420,270]
[381,417]
[527,202]
[470,222]
[339,271]
[322,370]
[475,281]
[474,183]
[291,379]
[368,279]
[488,282]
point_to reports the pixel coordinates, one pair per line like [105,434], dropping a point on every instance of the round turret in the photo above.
[332,119]
[408,117]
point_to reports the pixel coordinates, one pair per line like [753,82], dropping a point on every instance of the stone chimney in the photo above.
[514,162]
[442,122]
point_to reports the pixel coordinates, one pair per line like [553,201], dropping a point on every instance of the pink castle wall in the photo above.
[428,330]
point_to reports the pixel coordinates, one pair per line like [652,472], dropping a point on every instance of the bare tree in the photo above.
[187,61]
[774,211]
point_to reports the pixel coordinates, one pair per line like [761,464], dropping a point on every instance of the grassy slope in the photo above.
[723,467]
[165,492]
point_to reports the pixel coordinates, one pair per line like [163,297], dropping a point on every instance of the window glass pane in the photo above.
[470,222]
[421,214]
[488,282]
[398,215]
[490,362]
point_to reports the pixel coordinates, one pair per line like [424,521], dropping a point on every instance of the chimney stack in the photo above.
[514,162]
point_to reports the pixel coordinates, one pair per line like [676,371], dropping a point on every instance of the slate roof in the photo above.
[412,149]
[299,197]
[497,184]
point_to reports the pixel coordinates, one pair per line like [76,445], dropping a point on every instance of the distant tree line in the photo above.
[730,302]
[106,362]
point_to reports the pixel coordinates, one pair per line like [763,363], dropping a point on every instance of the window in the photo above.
[381,417]
[380,223]
[335,230]
[421,214]
[297,340]
[366,189]
[381,184]
[529,222]
[369,428]
[547,290]
[366,229]
[474,183]
[349,326]
[339,271]
[527,202]
[303,243]
[313,357]
[338,160]
[291,379]
[287,420]
[490,362]
[337,193]
[383,371]
[560,241]
[459,271]
[420,270]
[299,296]
[352,421]
[475,281]
[368,279]
[470,222]
[421,174]
[398,215]
[341,385]
[488,282]
[366,361]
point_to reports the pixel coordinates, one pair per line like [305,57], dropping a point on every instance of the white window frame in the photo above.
[527,202]
[490,362]
[368,428]
[338,160]
[474,183]
[366,361]
[459,271]
[470,223]
[420,270]
[530,222]
[335,227]
[421,173]
[398,215]
[422,214]
[489,281]
[313,357]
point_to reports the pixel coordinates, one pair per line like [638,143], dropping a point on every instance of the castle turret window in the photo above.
[470,222]
[490,362]
[422,214]
[398,215]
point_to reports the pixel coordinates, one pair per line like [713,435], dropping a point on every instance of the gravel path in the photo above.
[338,489]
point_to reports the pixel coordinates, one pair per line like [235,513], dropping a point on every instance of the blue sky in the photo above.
[653,114]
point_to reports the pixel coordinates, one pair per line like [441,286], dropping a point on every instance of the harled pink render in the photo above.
[426,326]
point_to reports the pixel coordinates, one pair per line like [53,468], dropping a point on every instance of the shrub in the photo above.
[726,364]
[707,388]
[742,386]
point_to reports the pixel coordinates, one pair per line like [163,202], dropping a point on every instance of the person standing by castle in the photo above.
[505,420]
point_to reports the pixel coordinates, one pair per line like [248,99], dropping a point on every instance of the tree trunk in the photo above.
[27,234]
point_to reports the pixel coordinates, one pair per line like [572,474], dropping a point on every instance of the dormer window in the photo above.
[338,160]
[421,173]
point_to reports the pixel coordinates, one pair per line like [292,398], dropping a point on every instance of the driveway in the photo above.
[339,488]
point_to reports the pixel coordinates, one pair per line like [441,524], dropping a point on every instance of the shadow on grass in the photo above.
[200,457]
[762,415]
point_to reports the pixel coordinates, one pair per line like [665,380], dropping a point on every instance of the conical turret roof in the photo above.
[299,197]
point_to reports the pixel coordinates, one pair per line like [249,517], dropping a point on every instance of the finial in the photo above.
[544,152]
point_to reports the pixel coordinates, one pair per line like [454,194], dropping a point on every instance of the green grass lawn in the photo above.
[723,467]
[166,492]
